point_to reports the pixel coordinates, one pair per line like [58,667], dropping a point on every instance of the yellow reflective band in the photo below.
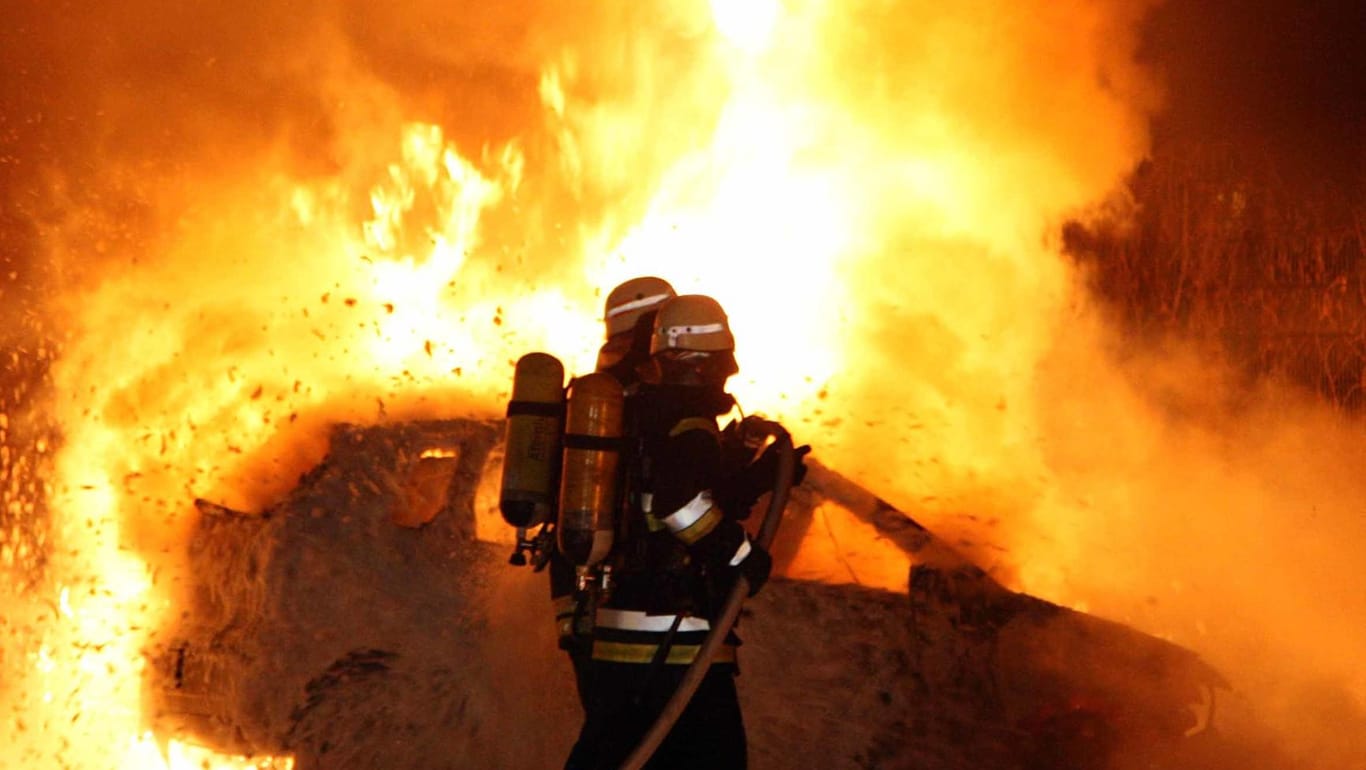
[691,511]
[700,528]
[635,620]
[679,654]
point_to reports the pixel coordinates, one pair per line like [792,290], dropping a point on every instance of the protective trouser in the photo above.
[623,701]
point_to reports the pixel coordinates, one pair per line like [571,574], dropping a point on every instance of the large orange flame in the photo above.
[870,189]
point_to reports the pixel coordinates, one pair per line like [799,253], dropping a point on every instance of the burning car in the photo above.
[370,619]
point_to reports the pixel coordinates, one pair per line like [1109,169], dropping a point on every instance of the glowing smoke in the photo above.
[236,226]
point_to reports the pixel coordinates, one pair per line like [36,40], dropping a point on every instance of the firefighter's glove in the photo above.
[756,568]
[738,493]
[763,473]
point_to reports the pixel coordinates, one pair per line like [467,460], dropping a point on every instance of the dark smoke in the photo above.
[1284,78]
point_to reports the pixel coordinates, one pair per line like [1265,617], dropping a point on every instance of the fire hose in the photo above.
[782,485]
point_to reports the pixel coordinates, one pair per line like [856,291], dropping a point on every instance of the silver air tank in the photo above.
[588,482]
[532,441]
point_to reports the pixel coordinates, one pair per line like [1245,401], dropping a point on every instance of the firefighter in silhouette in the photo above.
[628,316]
[678,549]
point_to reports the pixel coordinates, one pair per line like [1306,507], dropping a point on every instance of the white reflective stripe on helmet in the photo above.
[635,620]
[741,553]
[636,304]
[691,511]
[674,332]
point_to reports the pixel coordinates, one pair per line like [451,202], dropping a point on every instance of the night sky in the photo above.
[1287,76]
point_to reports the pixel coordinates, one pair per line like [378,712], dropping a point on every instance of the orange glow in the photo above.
[840,548]
[872,191]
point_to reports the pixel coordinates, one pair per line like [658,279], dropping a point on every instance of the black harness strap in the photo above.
[597,443]
[536,408]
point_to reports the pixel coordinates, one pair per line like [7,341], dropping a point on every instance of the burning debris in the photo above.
[329,628]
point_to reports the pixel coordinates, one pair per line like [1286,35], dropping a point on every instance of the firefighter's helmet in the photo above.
[633,299]
[692,322]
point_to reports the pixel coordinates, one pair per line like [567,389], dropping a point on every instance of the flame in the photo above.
[825,228]
[868,188]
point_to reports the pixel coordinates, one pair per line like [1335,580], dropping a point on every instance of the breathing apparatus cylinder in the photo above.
[535,419]
[592,455]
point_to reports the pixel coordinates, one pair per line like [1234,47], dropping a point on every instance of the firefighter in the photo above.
[628,319]
[682,548]
[629,315]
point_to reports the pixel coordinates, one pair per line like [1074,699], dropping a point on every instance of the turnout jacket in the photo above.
[678,548]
